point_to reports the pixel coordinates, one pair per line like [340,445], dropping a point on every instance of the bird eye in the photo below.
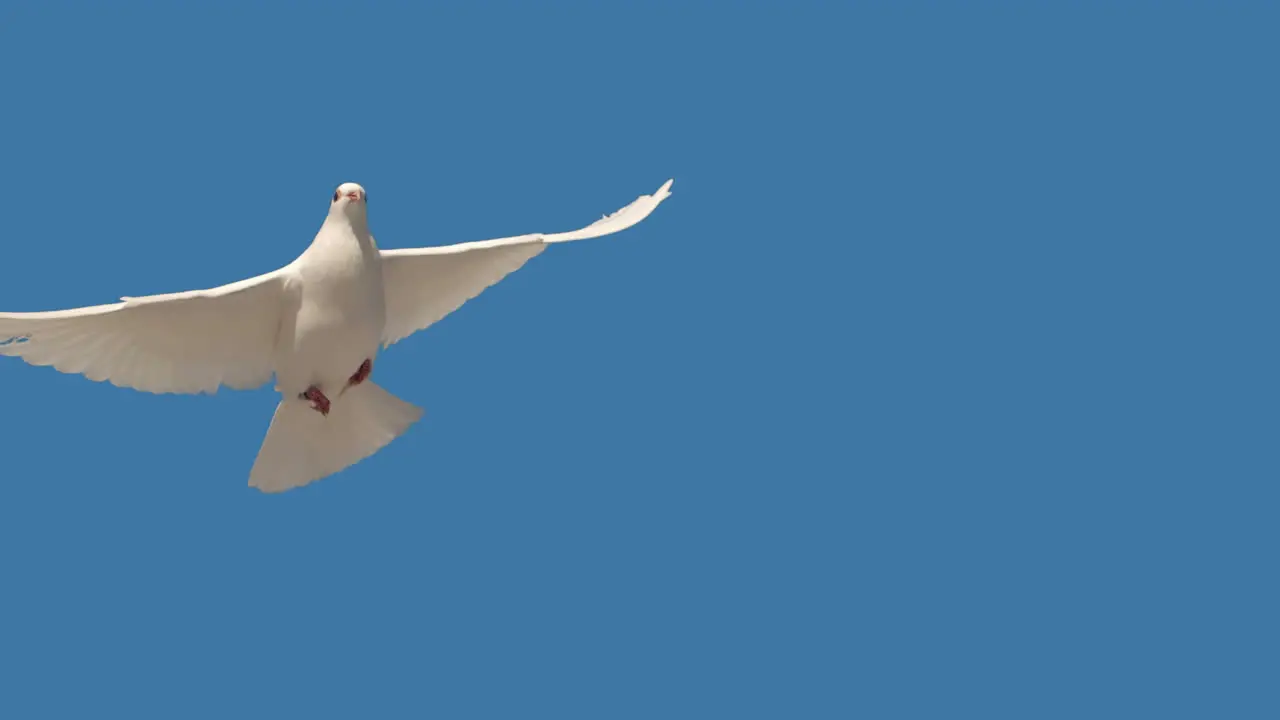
[337,194]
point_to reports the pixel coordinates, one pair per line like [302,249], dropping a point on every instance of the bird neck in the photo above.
[342,225]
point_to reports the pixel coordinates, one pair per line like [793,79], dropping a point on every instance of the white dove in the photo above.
[315,324]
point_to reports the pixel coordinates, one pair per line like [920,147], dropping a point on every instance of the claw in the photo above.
[319,402]
[366,369]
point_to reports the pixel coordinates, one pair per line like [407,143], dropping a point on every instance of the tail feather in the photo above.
[303,446]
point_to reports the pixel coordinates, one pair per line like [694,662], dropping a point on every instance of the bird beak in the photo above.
[354,195]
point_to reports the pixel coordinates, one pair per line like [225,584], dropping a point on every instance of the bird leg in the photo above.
[319,402]
[366,369]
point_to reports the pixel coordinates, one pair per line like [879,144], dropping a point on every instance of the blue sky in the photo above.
[943,386]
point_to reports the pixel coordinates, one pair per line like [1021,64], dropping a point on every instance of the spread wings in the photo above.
[186,342]
[425,284]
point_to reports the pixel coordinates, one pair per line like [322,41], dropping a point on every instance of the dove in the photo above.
[316,325]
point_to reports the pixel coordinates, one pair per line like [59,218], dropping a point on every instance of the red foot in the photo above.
[366,369]
[319,402]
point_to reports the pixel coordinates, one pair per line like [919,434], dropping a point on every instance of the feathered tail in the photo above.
[303,446]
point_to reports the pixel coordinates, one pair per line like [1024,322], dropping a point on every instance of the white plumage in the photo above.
[310,324]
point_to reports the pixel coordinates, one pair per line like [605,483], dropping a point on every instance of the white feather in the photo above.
[204,338]
[425,284]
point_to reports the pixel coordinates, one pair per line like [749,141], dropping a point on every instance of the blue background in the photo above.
[944,385]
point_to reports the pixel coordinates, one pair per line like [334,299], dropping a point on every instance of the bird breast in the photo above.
[339,322]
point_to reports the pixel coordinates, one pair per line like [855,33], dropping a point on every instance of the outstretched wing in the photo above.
[186,342]
[425,284]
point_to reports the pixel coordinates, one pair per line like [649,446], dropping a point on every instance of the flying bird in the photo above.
[316,325]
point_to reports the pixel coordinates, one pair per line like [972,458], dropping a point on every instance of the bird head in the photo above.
[349,199]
